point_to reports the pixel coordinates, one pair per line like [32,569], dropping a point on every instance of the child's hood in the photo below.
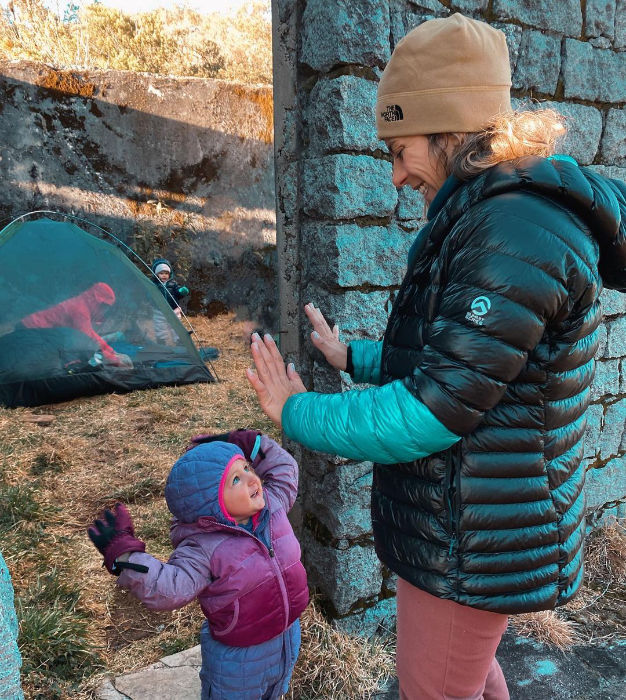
[193,485]
[163,261]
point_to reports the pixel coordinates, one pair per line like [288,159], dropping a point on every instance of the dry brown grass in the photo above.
[335,665]
[546,627]
[605,555]
[107,447]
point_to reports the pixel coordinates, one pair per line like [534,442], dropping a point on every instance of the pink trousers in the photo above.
[447,651]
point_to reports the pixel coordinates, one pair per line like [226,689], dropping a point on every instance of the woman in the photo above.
[485,368]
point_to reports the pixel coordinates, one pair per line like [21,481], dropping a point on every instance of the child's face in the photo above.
[164,275]
[243,491]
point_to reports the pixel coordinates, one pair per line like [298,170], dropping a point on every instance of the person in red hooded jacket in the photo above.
[79,312]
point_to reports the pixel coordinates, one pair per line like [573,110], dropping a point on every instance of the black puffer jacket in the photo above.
[499,313]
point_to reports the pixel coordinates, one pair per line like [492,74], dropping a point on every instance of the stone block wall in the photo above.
[343,230]
[180,167]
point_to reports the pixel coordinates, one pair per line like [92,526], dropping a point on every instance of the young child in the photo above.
[167,285]
[235,551]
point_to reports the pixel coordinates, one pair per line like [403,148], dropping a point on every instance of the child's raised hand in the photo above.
[115,535]
[248,441]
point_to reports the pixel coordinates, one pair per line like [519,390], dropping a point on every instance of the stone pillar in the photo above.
[344,231]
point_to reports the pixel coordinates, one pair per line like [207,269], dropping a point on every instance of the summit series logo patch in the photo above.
[392,113]
[478,308]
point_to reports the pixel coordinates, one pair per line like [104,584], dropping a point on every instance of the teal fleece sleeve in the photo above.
[366,356]
[384,424]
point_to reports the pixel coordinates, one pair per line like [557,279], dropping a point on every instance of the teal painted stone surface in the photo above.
[411,206]
[404,16]
[620,24]
[564,16]
[614,139]
[616,341]
[358,314]
[513,34]
[600,18]
[351,256]
[378,619]
[613,303]
[602,341]
[593,74]
[539,62]
[612,439]
[341,115]
[591,440]
[343,186]
[606,484]
[469,6]
[344,576]
[607,380]
[340,499]
[341,32]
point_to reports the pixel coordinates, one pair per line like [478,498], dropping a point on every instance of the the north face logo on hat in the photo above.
[393,113]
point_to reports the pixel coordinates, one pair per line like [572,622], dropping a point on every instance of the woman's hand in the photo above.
[272,382]
[327,340]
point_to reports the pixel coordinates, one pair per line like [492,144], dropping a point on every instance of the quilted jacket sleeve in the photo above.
[171,585]
[385,424]
[366,355]
[279,472]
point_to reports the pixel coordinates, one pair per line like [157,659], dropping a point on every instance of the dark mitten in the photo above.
[114,536]
[248,441]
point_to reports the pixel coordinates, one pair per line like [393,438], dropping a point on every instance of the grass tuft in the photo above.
[48,462]
[336,665]
[605,555]
[547,627]
[54,632]
[18,505]
[144,489]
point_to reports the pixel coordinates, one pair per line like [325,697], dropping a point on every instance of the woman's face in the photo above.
[415,166]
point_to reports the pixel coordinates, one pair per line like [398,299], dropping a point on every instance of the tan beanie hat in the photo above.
[449,74]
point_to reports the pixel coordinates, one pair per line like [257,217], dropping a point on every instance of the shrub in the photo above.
[172,42]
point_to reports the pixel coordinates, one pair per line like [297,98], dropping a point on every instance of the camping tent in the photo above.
[77,317]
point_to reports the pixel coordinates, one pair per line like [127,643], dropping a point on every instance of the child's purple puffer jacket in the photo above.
[249,593]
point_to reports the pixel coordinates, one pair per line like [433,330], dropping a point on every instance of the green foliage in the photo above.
[19,505]
[170,42]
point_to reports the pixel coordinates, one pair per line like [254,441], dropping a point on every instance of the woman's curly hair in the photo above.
[506,137]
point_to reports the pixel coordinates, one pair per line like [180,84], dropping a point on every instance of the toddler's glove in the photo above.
[183,291]
[248,441]
[114,536]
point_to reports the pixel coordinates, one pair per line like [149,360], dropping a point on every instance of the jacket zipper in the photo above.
[272,555]
[279,573]
[451,495]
